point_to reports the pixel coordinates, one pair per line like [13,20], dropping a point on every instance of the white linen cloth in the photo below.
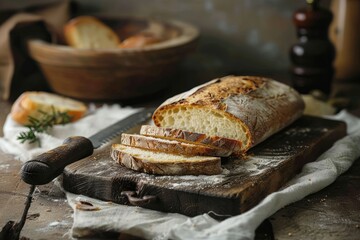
[151,224]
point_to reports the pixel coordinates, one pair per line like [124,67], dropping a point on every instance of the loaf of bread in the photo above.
[232,145]
[88,32]
[244,108]
[164,163]
[232,113]
[33,103]
[172,146]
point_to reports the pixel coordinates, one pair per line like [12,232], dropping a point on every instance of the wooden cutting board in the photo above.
[243,183]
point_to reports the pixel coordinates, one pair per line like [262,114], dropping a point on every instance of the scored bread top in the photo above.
[88,32]
[32,103]
[246,108]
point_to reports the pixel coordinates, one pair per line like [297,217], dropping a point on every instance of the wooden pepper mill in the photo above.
[312,57]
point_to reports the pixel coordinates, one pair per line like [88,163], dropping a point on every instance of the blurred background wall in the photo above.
[251,37]
[237,36]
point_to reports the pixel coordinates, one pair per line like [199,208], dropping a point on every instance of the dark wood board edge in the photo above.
[167,200]
[187,203]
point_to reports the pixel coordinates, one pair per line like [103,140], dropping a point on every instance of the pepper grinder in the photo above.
[312,57]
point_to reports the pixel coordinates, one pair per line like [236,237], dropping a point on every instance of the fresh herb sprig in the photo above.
[43,123]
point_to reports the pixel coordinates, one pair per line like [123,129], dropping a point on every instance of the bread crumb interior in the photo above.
[192,119]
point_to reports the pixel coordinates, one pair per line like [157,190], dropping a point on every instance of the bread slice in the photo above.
[245,108]
[160,163]
[88,32]
[234,146]
[172,146]
[33,103]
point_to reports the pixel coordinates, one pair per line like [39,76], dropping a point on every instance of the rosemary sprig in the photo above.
[43,123]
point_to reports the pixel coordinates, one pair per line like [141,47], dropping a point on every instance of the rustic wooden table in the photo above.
[332,213]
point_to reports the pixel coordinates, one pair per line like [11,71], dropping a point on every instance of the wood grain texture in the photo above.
[332,213]
[49,216]
[243,183]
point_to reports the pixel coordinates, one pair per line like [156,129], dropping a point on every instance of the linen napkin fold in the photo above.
[149,224]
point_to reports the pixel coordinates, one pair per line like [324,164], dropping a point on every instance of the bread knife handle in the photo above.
[47,166]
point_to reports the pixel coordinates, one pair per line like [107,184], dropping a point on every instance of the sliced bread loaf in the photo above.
[88,32]
[245,108]
[172,146]
[232,145]
[160,163]
[35,103]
